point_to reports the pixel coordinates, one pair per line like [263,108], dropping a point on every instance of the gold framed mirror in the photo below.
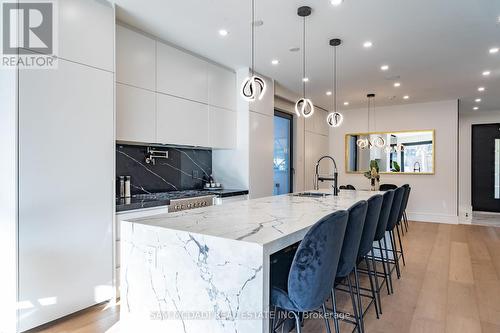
[398,152]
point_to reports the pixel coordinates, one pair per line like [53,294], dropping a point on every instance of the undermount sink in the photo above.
[311,194]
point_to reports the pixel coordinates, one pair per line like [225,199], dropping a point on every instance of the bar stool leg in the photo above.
[388,267]
[335,315]
[401,245]
[395,253]
[327,322]
[372,286]
[358,294]
[298,327]
[354,305]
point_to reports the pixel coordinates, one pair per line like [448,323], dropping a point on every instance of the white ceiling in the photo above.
[438,48]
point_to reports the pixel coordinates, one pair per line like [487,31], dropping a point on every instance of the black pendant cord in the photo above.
[334,79]
[253,37]
[369,102]
[304,58]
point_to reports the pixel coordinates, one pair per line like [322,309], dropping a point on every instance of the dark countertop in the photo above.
[142,201]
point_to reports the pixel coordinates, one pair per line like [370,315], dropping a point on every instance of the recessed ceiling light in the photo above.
[275,62]
[397,84]
[475,108]
[367,44]
[223,32]
[384,67]
[481,89]
[486,73]
[328,93]
[346,103]
[494,50]
[477,100]
[305,79]
[336,2]
[406,97]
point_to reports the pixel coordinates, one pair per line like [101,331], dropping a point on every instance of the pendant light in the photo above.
[304,106]
[379,141]
[334,119]
[253,87]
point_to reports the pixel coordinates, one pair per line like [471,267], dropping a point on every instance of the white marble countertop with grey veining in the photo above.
[272,222]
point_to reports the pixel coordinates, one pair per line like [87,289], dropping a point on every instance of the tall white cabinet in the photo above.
[66,170]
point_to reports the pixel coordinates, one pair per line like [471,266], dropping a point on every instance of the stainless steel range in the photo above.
[177,205]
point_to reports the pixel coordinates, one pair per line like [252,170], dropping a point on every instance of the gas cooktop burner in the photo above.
[172,195]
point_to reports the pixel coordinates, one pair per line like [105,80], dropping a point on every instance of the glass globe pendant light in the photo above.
[334,118]
[304,106]
[253,87]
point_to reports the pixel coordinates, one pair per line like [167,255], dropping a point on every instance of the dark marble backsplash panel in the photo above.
[185,169]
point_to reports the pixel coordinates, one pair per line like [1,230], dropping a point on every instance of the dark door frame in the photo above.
[286,115]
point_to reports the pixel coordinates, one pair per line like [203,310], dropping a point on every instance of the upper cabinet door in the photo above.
[86,32]
[135,58]
[135,114]
[222,128]
[180,121]
[181,74]
[221,87]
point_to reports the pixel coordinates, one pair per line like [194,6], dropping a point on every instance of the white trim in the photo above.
[435,218]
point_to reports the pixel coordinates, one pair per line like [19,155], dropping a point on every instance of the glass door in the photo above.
[283,170]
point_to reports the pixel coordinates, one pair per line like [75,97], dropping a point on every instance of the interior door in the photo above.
[486,167]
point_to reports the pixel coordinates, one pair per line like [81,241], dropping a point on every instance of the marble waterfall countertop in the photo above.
[272,222]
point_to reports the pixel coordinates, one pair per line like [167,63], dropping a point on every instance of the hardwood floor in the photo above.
[451,283]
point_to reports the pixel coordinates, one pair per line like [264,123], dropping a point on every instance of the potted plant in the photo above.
[373,175]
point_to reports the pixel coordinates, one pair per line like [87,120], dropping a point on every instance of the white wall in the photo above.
[434,197]
[466,120]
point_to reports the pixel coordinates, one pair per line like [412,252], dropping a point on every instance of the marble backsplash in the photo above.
[184,169]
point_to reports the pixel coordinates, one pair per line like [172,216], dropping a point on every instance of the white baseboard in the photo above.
[435,218]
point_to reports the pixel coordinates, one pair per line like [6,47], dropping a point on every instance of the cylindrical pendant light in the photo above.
[253,87]
[304,106]
[334,118]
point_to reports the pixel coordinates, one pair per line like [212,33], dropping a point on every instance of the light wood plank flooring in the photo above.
[451,283]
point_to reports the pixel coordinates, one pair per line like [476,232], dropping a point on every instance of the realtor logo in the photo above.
[28,34]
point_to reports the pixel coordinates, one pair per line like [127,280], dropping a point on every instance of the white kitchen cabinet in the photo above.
[222,128]
[261,150]
[221,87]
[135,58]
[135,114]
[181,121]
[95,47]
[266,104]
[181,74]
[66,190]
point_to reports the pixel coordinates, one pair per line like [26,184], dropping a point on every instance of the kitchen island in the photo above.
[207,269]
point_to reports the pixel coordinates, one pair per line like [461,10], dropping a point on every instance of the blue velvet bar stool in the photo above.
[347,261]
[366,246]
[392,224]
[379,238]
[402,209]
[405,204]
[310,279]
